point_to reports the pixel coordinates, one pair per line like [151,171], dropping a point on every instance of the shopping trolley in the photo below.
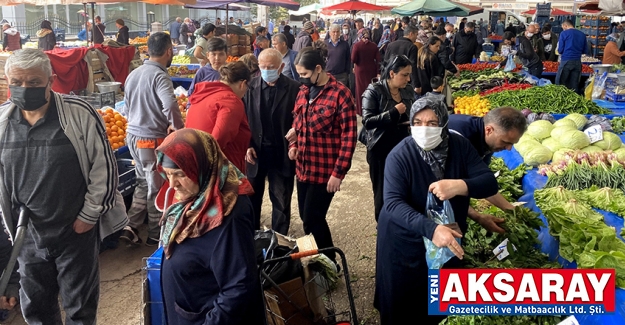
[310,300]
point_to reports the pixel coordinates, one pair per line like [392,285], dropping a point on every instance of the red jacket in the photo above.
[217,110]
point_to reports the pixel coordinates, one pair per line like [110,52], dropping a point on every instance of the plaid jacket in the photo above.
[326,133]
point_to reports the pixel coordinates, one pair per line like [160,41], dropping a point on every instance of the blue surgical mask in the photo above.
[270,76]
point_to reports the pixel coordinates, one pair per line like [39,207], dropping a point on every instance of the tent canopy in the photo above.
[214,4]
[217,6]
[437,8]
[306,10]
[554,12]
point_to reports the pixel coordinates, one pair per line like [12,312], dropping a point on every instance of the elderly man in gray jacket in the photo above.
[56,161]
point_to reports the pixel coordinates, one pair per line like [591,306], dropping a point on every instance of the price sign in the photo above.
[501,251]
[594,133]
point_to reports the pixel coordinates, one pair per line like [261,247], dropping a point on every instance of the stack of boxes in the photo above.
[597,29]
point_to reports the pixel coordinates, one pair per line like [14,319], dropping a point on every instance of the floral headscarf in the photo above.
[386,36]
[198,155]
[422,36]
[364,35]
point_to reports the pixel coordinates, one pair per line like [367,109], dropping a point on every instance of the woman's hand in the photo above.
[291,136]
[448,188]
[401,108]
[293,153]
[491,223]
[446,237]
[250,156]
[334,184]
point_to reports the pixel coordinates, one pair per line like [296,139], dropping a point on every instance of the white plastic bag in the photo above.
[510,65]
[180,91]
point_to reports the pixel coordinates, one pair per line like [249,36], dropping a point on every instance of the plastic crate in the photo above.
[155,296]
[127,176]
[611,96]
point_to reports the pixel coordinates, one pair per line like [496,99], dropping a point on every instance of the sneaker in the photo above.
[151,242]
[131,235]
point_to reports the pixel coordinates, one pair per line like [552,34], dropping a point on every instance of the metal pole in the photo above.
[227,7]
[86,20]
[93,24]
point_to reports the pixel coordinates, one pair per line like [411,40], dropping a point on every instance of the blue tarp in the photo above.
[549,245]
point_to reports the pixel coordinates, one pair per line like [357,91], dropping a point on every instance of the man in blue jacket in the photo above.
[571,46]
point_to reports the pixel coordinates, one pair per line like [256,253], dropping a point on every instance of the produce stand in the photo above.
[533,181]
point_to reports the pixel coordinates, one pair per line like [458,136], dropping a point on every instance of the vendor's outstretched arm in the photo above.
[499,201]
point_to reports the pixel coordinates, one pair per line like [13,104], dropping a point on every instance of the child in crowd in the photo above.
[438,85]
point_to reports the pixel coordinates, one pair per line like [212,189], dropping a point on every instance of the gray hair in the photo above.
[280,38]
[506,118]
[272,54]
[335,27]
[28,59]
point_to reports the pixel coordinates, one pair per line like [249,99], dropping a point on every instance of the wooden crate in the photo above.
[4,86]
[97,67]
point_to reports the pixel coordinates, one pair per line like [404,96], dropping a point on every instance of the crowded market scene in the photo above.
[357,146]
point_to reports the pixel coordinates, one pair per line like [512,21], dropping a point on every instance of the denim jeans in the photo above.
[569,74]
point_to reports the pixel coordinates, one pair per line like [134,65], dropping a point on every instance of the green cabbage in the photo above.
[526,137]
[592,148]
[564,122]
[557,132]
[620,154]
[579,119]
[525,146]
[537,155]
[610,141]
[552,144]
[559,155]
[574,139]
[540,129]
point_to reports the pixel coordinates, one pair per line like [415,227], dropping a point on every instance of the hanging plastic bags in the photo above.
[510,65]
[442,215]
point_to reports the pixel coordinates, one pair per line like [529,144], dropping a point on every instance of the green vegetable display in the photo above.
[577,170]
[618,125]
[502,320]
[583,235]
[607,199]
[465,93]
[509,181]
[548,99]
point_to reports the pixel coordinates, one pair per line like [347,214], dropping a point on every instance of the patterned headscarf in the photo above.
[422,36]
[612,37]
[198,155]
[436,157]
[386,36]
[364,34]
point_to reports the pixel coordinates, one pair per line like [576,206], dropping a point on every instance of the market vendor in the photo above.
[433,161]
[216,54]
[200,52]
[529,57]
[498,130]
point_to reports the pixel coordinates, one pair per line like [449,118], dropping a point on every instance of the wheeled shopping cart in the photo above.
[311,299]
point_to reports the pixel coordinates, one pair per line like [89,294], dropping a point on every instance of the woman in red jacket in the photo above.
[217,108]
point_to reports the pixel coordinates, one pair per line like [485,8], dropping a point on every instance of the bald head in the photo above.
[269,59]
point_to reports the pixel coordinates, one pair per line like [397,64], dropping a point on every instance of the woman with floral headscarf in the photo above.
[385,39]
[209,272]
[435,161]
[611,53]
[366,59]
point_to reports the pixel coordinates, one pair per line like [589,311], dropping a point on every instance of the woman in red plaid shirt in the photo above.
[325,125]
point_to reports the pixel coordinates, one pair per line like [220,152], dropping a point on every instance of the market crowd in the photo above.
[285,115]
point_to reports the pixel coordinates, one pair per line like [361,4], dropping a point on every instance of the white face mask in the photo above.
[547,37]
[345,31]
[427,137]
[528,34]
[449,35]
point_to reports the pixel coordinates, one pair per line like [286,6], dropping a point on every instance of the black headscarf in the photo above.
[46,24]
[436,157]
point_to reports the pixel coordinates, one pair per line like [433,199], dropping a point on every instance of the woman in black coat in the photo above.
[290,39]
[385,119]
[428,65]
[46,37]
[122,33]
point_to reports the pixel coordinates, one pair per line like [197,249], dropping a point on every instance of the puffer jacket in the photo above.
[379,113]
[303,40]
[12,40]
[46,39]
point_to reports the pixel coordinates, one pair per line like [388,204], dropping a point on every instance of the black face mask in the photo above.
[28,98]
[308,82]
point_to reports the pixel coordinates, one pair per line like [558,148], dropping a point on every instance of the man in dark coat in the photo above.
[446,167]
[98,31]
[465,45]
[405,46]
[303,38]
[444,51]
[269,104]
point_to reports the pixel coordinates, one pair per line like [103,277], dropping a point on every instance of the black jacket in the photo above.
[430,69]
[529,57]
[444,54]
[379,113]
[122,35]
[98,33]
[290,40]
[403,46]
[465,47]
[282,117]
[46,39]
[376,34]
[551,55]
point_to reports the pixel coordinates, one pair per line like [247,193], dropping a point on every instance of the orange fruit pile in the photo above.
[115,127]
[183,100]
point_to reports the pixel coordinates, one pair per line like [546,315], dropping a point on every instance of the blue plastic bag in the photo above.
[442,215]
[510,65]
